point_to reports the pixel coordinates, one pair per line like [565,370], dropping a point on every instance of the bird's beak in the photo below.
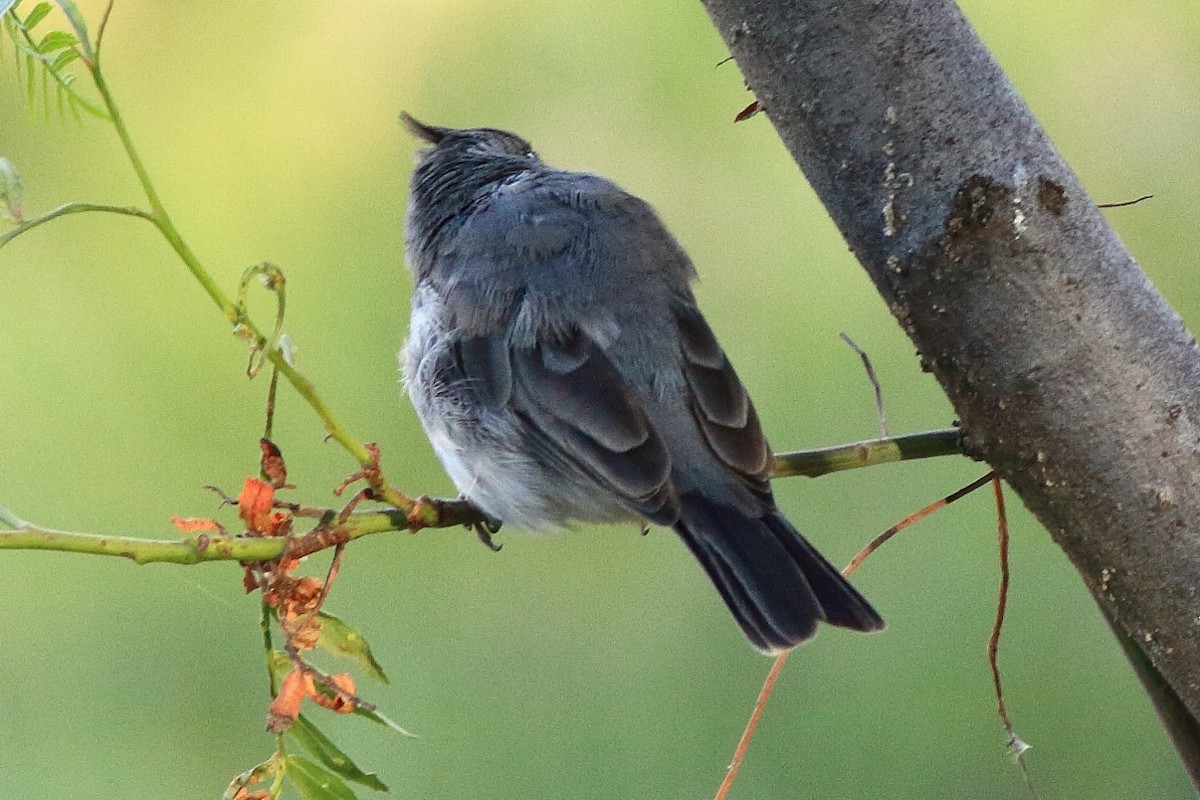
[428,133]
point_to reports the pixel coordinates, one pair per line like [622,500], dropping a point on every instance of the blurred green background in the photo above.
[599,664]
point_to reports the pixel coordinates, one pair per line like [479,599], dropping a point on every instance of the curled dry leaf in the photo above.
[272,464]
[286,706]
[294,596]
[300,683]
[296,600]
[256,508]
[339,703]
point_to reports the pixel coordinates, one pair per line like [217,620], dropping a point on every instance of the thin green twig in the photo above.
[159,217]
[73,208]
[158,212]
[419,514]
[814,463]
[265,625]
[203,547]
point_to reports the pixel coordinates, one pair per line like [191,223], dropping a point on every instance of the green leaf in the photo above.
[37,15]
[386,722]
[314,782]
[55,40]
[30,81]
[78,102]
[62,60]
[46,92]
[321,748]
[340,639]
[75,16]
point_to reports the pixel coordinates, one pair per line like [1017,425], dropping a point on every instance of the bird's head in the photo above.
[469,142]
[461,167]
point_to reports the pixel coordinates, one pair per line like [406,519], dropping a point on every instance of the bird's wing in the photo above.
[550,251]
[534,283]
[579,414]
[720,405]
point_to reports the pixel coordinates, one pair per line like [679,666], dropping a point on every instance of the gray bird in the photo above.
[563,373]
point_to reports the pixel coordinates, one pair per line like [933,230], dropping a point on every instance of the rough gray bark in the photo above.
[1071,375]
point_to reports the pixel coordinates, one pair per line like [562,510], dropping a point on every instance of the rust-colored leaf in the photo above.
[338,703]
[255,505]
[296,600]
[280,524]
[286,705]
[256,508]
[196,524]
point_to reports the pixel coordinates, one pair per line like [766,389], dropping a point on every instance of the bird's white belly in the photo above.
[486,453]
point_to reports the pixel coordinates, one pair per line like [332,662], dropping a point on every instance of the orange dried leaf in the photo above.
[297,599]
[255,505]
[196,524]
[295,596]
[305,637]
[334,702]
[344,681]
[286,706]
[279,524]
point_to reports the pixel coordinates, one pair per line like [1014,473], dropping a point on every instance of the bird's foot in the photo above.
[485,529]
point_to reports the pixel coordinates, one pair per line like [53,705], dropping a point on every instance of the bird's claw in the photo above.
[485,529]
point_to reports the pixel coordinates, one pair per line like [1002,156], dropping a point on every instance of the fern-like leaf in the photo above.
[49,55]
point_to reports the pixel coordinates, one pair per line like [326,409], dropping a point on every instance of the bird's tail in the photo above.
[776,584]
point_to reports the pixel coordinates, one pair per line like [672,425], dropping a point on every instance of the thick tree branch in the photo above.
[1071,375]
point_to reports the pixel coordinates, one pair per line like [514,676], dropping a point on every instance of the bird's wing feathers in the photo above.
[579,412]
[561,247]
[528,250]
[723,410]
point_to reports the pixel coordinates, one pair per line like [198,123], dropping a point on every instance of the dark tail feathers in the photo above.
[776,584]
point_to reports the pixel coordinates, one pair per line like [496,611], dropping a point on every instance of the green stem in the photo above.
[268,645]
[421,514]
[333,426]
[814,463]
[161,220]
[72,208]
[281,758]
[192,550]
[158,212]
